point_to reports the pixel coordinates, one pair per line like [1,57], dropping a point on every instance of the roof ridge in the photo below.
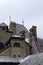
[3,24]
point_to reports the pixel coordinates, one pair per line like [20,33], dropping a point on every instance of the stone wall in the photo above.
[23,50]
[6,52]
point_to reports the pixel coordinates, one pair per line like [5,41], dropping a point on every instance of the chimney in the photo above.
[12,27]
[33,33]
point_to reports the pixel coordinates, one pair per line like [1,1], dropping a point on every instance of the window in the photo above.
[1,46]
[3,28]
[41,45]
[14,55]
[18,55]
[16,44]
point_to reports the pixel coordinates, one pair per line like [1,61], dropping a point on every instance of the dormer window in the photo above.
[23,33]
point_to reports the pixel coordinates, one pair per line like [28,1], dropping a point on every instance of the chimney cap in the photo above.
[33,26]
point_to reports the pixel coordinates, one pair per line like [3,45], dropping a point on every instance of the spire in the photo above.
[22,22]
[10,18]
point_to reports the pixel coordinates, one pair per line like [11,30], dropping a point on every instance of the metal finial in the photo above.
[22,22]
[10,18]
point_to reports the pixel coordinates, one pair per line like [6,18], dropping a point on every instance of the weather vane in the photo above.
[10,18]
[22,22]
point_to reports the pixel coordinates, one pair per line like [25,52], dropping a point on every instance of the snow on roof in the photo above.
[9,59]
[18,36]
[27,40]
[26,58]
[3,24]
[20,28]
[36,59]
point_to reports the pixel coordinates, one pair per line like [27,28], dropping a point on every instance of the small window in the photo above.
[3,28]
[41,45]
[16,44]
[14,55]
[18,55]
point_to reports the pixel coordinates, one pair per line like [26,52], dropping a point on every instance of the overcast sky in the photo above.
[30,11]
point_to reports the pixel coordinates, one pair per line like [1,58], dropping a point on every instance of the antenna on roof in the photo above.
[22,22]
[10,18]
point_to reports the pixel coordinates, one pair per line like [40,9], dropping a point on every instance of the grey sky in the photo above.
[31,11]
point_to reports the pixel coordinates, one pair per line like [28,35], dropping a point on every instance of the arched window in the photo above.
[16,44]
[1,46]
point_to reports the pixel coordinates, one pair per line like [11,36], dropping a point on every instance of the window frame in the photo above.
[16,44]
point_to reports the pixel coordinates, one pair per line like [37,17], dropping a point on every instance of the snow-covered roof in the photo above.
[17,36]
[3,24]
[27,40]
[36,59]
[9,59]
[19,28]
